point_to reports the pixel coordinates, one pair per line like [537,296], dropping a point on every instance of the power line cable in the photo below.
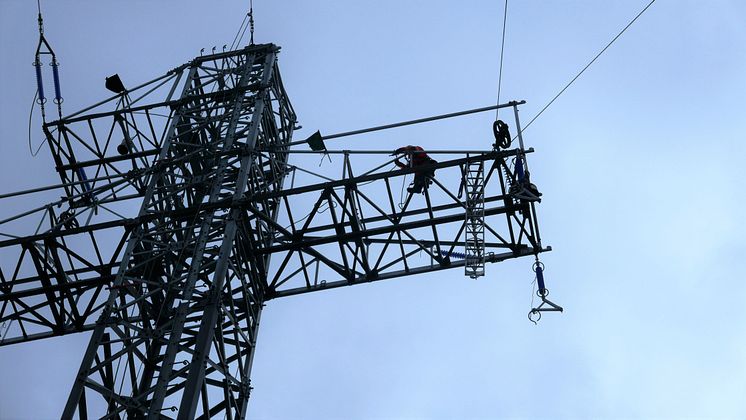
[502,50]
[249,26]
[242,34]
[240,28]
[587,65]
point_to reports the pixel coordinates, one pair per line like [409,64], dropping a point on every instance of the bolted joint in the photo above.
[246,388]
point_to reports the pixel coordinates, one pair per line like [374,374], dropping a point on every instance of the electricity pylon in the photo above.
[176,227]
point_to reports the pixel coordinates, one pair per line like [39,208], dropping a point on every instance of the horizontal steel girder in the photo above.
[95,278]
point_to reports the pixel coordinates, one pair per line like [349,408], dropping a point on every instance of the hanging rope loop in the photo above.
[501,131]
[401,194]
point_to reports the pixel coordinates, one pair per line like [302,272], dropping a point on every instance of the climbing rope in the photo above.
[30,117]
[325,155]
[401,194]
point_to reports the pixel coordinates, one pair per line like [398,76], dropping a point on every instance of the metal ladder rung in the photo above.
[474,223]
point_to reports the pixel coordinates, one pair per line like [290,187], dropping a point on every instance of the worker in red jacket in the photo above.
[415,156]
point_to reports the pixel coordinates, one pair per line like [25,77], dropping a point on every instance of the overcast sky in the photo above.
[640,163]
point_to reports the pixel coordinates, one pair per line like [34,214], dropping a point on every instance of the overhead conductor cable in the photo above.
[588,65]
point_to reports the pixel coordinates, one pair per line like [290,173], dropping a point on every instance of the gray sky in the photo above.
[640,163]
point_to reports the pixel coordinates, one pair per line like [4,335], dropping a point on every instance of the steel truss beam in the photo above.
[24,292]
[350,236]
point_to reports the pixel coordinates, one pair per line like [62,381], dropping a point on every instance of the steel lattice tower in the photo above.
[174,302]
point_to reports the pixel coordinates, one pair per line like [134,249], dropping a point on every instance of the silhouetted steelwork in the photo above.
[173,293]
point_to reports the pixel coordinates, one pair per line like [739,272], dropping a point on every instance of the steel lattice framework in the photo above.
[173,294]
